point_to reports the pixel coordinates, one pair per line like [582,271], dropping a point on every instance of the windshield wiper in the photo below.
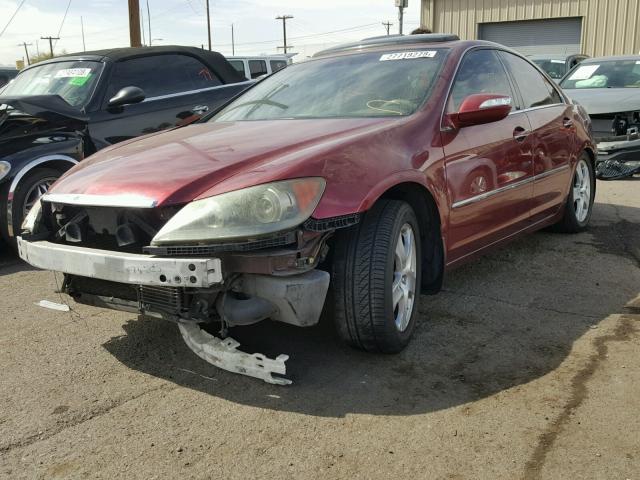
[260,102]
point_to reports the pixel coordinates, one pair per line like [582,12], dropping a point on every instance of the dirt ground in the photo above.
[527,366]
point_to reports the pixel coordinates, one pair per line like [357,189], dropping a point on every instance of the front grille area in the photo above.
[167,299]
[202,250]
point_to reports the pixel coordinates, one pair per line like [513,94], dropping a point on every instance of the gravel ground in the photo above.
[526,366]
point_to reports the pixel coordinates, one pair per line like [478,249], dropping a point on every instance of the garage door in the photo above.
[557,35]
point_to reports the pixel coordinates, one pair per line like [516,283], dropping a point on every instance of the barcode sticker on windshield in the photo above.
[408,55]
[73,72]
[584,72]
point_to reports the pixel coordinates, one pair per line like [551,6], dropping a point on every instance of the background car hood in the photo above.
[52,108]
[597,101]
[177,166]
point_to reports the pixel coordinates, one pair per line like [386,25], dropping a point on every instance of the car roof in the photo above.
[612,58]
[214,60]
[395,41]
[553,56]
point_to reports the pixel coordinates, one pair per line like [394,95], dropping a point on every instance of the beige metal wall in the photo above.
[609,27]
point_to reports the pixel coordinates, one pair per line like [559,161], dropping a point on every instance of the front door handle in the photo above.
[567,122]
[520,134]
[200,109]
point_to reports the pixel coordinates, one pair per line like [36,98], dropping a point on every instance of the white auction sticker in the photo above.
[408,55]
[73,72]
[558,61]
[584,72]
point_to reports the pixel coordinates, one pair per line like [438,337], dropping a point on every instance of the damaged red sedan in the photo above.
[350,182]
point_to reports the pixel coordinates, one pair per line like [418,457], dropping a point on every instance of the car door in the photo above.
[553,135]
[488,167]
[177,90]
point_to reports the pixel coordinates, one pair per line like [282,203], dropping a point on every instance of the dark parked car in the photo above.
[609,89]
[557,66]
[370,170]
[6,75]
[59,111]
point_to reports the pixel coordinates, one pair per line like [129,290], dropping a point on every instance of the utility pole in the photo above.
[233,42]
[208,25]
[134,23]
[51,39]
[387,25]
[149,21]
[401,4]
[26,52]
[84,46]
[284,19]
[144,40]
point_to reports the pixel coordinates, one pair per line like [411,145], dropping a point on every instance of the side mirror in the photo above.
[127,96]
[481,108]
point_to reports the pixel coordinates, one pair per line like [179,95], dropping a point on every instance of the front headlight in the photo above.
[245,213]
[33,218]
[5,168]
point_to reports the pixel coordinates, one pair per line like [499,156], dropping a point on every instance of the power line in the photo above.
[26,51]
[387,25]
[62,24]
[12,17]
[50,42]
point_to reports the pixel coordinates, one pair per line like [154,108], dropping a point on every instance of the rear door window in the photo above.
[480,72]
[160,75]
[239,66]
[257,68]
[277,65]
[536,90]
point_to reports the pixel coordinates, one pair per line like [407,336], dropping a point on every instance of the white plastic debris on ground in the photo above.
[224,354]
[61,307]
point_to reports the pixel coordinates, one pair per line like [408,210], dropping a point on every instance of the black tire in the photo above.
[570,223]
[363,275]
[23,190]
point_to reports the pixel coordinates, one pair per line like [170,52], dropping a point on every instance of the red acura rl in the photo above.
[368,171]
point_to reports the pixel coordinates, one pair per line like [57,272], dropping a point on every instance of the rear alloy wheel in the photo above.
[29,191]
[580,199]
[376,278]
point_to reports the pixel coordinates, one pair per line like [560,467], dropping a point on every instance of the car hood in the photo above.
[181,165]
[598,101]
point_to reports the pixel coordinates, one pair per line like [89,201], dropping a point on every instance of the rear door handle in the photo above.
[520,134]
[567,122]
[200,109]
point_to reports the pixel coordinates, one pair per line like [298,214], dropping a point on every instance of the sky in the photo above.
[317,24]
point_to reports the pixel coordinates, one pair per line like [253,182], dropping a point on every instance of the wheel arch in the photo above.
[58,161]
[429,217]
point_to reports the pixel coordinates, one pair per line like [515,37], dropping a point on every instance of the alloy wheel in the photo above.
[582,191]
[35,193]
[404,277]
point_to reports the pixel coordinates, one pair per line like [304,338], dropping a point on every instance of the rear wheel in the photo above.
[376,278]
[30,189]
[579,206]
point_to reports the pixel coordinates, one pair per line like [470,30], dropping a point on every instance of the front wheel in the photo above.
[30,189]
[376,278]
[579,206]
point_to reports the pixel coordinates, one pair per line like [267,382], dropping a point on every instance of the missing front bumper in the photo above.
[135,269]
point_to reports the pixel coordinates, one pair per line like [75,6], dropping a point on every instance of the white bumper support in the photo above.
[122,267]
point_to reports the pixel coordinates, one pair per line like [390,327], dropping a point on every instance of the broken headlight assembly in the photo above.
[250,212]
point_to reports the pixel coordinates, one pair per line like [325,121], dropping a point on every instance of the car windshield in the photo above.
[377,84]
[72,80]
[605,74]
[555,68]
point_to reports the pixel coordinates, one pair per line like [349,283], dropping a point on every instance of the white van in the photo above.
[254,67]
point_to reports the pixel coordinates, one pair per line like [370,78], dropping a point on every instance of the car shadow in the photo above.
[10,262]
[502,321]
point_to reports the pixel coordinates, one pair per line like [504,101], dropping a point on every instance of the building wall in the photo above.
[609,27]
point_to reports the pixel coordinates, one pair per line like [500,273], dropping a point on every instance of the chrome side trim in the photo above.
[190,92]
[19,176]
[88,200]
[491,193]
[486,195]
[553,171]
